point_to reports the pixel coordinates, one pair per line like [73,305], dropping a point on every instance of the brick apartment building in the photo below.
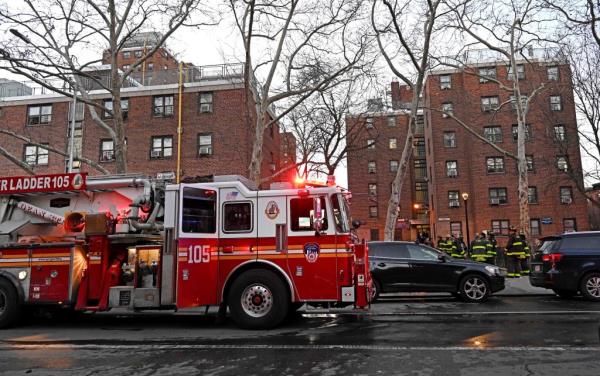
[217,130]
[448,161]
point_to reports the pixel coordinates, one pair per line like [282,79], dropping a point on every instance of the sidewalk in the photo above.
[521,286]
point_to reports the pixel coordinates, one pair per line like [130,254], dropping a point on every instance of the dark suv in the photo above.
[569,264]
[410,267]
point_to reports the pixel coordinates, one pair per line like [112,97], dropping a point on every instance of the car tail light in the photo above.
[552,257]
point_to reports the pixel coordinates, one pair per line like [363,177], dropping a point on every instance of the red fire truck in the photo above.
[96,243]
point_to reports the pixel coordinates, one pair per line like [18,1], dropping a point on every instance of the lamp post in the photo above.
[465,197]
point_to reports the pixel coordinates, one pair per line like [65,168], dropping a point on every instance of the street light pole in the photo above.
[465,197]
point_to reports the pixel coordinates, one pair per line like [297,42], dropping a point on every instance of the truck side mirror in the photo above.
[317,215]
[356,224]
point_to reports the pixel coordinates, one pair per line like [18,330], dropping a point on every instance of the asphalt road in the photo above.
[533,335]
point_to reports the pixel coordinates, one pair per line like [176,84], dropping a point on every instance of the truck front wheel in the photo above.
[9,304]
[258,299]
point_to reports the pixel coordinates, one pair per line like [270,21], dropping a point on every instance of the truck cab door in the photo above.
[197,251]
[312,259]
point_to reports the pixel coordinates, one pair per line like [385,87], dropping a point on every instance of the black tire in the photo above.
[474,288]
[258,299]
[565,294]
[376,290]
[590,287]
[9,304]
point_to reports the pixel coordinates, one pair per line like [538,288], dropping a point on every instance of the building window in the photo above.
[393,165]
[391,121]
[371,144]
[498,196]
[500,226]
[447,109]
[453,200]
[150,66]
[532,196]
[560,133]
[206,102]
[205,146]
[515,132]
[553,73]
[393,144]
[451,169]
[162,147]
[566,195]
[513,102]
[562,163]
[445,81]
[529,161]
[369,123]
[456,229]
[520,72]
[555,103]
[39,114]
[534,227]
[126,54]
[107,150]
[126,67]
[372,189]
[372,167]
[569,225]
[138,53]
[163,106]
[495,164]
[374,234]
[36,155]
[487,73]
[109,106]
[421,193]
[489,103]
[419,149]
[373,211]
[420,125]
[493,134]
[449,139]
[420,168]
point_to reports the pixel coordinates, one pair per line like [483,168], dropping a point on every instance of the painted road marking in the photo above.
[157,347]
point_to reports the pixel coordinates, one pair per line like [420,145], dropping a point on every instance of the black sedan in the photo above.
[410,267]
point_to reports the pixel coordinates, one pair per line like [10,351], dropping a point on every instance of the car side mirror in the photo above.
[356,224]
[442,258]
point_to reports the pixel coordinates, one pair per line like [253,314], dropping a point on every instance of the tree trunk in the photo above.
[394,201]
[257,146]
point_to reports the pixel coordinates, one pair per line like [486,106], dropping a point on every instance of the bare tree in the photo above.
[510,29]
[50,40]
[404,36]
[306,45]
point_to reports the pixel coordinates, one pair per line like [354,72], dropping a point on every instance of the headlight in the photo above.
[22,274]
[492,269]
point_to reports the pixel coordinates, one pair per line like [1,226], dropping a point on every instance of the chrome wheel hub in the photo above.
[257,300]
[475,288]
[593,287]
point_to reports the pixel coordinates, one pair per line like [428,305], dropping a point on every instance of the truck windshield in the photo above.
[340,212]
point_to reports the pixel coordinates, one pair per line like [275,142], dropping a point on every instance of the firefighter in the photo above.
[479,248]
[514,251]
[447,245]
[492,248]
[524,259]
[457,250]
[441,243]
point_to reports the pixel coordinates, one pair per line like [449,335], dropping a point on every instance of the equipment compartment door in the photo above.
[50,274]
[197,261]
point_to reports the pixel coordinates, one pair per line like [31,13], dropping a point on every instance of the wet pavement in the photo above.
[415,335]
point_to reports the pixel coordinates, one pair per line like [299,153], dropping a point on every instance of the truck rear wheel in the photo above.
[9,304]
[258,299]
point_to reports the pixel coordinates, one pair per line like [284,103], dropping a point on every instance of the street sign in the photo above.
[546,221]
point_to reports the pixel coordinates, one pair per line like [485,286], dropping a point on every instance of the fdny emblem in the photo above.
[272,210]
[311,252]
